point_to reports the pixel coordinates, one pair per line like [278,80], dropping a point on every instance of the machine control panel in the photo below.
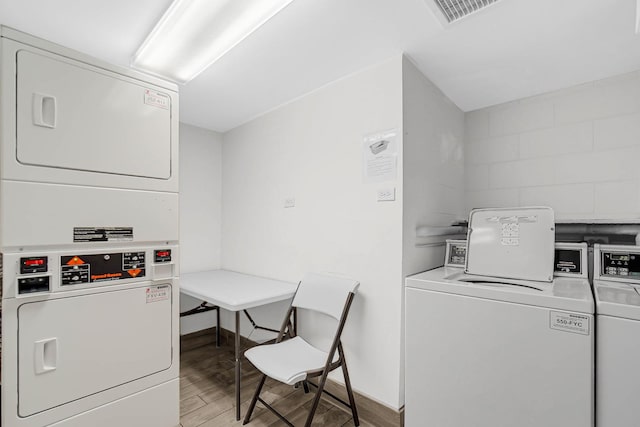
[621,264]
[456,253]
[34,264]
[568,257]
[568,261]
[30,285]
[79,269]
[161,256]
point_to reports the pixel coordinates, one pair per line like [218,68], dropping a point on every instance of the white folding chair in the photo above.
[292,360]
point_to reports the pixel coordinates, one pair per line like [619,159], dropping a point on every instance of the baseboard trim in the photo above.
[368,409]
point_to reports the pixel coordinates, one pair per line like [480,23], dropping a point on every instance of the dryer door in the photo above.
[74,347]
[71,115]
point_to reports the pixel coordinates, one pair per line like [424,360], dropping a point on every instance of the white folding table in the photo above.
[235,292]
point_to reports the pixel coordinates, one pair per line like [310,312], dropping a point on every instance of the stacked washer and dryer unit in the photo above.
[503,335]
[89,240]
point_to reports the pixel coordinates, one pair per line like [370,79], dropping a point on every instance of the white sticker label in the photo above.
[510,234]
[157,293]
[156,99]
[569,322]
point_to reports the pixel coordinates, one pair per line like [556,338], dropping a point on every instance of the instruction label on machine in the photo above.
[156,99]
[569,322]
[102,234]
[157,293]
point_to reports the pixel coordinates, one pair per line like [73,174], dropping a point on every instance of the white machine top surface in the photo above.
[617,299]
[511,243]
[617,280]
[563,293]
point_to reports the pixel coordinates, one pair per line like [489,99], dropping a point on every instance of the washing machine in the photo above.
[617,290]
[492,351]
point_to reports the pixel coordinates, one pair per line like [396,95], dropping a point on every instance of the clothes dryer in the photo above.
[617,290]
[88,241]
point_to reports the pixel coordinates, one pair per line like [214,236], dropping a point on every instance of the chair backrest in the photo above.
[324,293]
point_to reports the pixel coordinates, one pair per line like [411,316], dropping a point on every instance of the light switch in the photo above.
[387,194]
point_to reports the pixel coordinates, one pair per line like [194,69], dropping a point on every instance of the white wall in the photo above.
[200,214]
[311,150]
[576,150]
[433,165]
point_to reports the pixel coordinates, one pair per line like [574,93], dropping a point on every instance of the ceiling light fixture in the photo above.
[637,16]
[193,34]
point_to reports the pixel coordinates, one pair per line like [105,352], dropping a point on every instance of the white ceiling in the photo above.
[514,49]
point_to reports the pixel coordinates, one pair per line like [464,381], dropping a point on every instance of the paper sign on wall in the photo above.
[380,156]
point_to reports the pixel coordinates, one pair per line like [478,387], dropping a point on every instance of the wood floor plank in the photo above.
[207,392]
[207,412]
[190,403]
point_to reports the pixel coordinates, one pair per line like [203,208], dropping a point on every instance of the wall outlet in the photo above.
[386,194]
[290,202]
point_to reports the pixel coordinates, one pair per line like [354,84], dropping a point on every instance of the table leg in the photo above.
[218,327]
[237,365]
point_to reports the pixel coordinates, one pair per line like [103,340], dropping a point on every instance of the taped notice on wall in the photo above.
[380,156]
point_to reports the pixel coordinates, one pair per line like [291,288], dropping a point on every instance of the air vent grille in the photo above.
[457,9]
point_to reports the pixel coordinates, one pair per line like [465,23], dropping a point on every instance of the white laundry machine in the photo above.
[616,283]
[489,351]
[88,240]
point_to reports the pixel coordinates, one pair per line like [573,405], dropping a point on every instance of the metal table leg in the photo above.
[218,327]
[237,365]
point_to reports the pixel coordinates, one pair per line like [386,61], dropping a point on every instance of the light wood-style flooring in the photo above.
[207,391]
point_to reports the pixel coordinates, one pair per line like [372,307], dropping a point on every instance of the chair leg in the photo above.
[254,400]
[305,386]
[347,383]
[316,400]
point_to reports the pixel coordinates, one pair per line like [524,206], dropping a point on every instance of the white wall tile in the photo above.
[492,198]
[578,106]
[613,165]
[576,162]
[616,197]
[616,132]
[605,98]
[476,125]
[564,199]
[498,149]
[520,117]
[619,95]
[477,177]
[524,173]
[573,138]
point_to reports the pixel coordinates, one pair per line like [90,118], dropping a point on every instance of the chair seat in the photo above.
[289,361]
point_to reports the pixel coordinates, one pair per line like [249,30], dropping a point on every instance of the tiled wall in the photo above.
[576,150]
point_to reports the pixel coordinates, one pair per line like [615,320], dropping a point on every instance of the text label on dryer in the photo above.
[157,293]
[156,99]
[102,234]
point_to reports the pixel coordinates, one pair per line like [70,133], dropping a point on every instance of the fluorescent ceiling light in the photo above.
[637,16]
[193,34]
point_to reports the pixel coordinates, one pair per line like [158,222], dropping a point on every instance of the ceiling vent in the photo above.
[454,10]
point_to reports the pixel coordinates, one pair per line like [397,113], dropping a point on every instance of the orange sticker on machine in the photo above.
[134,272]
[75,261]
